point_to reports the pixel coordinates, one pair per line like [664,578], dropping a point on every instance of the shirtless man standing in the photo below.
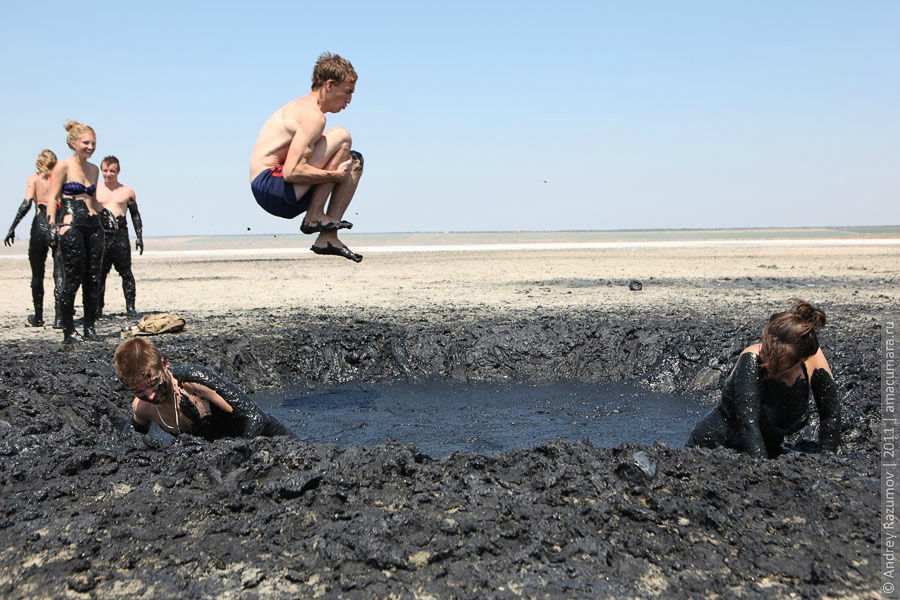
[118,198]
[297,165]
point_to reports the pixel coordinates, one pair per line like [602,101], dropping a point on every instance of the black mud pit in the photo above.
[90,509]
[443,416]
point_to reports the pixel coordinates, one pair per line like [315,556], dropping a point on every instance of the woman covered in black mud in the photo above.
[37,190]
[80,235]
[766,397]
[187,398]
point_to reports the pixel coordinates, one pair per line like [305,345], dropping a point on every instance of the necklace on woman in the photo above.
[163,421]
[175,403]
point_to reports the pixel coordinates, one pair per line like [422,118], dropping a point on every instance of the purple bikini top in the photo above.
[75,188]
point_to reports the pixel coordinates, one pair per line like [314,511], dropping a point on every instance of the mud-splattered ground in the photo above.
[91,510]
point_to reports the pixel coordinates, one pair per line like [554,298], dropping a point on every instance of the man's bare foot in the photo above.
[336,250]
[309,226]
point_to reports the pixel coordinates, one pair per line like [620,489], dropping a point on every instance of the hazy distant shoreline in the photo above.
[513,240]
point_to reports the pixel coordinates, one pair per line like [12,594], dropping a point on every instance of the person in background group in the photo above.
[117,199]
[78,230]
[297,166]
[37,190]
[766,397]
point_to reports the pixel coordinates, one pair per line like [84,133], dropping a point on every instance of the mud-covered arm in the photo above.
[138,225]
[747,405]
[824,390]
[57,179]
[139,422]
[254,420]
[145,428]
[20,214]
[201,425]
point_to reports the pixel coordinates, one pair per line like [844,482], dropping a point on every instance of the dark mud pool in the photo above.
[441,417]
[487,502]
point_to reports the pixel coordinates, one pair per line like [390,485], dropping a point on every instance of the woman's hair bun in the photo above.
[808,313]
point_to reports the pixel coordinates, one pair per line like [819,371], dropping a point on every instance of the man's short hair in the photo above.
[134,358]
[331,66]
[111,160]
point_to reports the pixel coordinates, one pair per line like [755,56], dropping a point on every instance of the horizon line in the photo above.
[892,227]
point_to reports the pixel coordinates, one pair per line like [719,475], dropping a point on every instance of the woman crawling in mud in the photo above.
[766,397]
[187,398]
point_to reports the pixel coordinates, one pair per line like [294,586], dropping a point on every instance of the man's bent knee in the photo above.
[339,135]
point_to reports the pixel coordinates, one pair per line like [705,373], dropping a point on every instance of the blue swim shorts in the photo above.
[276,196]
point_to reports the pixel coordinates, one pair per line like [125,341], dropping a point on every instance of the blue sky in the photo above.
[479,116]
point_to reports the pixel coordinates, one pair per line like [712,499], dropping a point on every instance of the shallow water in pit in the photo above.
[441,417]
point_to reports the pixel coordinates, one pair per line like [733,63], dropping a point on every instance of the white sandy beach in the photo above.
[206,282]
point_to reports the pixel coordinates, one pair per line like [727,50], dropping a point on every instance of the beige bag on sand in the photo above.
[155,324]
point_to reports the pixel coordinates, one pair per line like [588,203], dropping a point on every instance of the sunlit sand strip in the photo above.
[543,246]
[623,245]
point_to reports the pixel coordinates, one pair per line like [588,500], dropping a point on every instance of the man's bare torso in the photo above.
[278,132]
[115,200]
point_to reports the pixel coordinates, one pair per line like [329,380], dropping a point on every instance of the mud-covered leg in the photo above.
[91,282]
[105,267]
[57,287]
[121,259]
[38,247]
[73,252]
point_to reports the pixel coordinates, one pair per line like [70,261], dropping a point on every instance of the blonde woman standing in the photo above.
[78,229]
[37,190]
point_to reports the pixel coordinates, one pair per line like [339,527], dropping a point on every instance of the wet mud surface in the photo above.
[441,417]
[91,510]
